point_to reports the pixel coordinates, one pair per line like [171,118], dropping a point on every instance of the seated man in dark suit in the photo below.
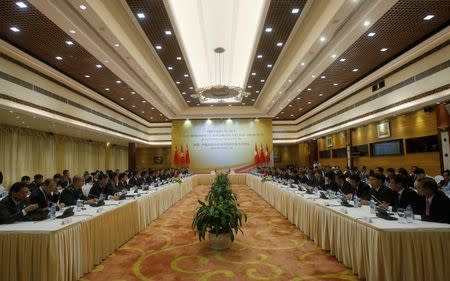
[123,186]
[46,194]
[330,183]
[380,193]
[437,204]
[133,179]
[343,186]
[15,207]
[317,180]
[73,192]
[103,186]
[359,188]
[38,180]
[26,180]
[406,195]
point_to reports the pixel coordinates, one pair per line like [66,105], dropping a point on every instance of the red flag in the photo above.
[255,156]
[261,155]
[176,159]
[182,158]
[267,154]
[188,159]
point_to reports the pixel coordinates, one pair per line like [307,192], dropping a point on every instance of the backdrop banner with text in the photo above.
[239,145]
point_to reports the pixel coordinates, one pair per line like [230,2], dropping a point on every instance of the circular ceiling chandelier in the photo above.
[220,93]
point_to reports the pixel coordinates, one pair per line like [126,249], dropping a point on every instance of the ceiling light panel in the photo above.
[368,53]
[36,30]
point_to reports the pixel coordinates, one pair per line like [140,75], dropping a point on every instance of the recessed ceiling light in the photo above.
[259,56]
[257,92]
[68,42]
[309,89]
[262,80]
[277,117]
[302,64]
[371,34]
[366,23]
[279,44]
[107,89]
[144,101]
[178,82]
[98,65]
[290,105]
[300,109]
[342,60]
[253,73]
[141,15]
[323,76]
[322,39]
[87,76]
[158,47]
[298,98]
[295,11]
[320,94]
[333,56]
[121,98]
[169,68]
[281,111]
[153,108]
[253,99]
[133,93]
[292,115]
[428,17]
[188,101]
[72,31]
[309,102]
[183,93]
[116,45]
[268,29]
[192,88]
[186,75]
[118,82]
[59,58]
[269,65]
[289,80]
[142,111]
[335,84]
[133,106]
[249,86]
[21,5]
[313,76]
[178,58]
[355,69]
[15,29]
[83,7]
[384,49]
[168,32]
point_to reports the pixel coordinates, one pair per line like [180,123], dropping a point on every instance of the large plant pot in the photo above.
[220,242]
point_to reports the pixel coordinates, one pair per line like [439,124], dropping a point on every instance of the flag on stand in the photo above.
[267,155]
[182,158]
[188,158]
[261,155]
[176,159]
[255,156]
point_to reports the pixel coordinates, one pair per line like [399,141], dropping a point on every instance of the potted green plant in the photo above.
[220,215]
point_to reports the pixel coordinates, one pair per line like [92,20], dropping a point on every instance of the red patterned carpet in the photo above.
[271,249]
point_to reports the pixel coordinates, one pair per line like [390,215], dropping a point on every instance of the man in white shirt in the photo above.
[3,192]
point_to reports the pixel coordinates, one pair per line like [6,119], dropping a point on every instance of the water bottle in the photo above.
[316,190]
[355,201]
[102,196]
[409,214]
[372,206]
[79,205]
[52,211]
[338,195]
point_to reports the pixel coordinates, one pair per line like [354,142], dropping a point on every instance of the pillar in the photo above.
[443,124]
[131,156]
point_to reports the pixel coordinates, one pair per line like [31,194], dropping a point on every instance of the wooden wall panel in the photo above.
[145,157]
[428,161]
[288,154]
[303,155]
[415,124]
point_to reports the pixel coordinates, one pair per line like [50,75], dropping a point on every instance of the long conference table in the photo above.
[377,250]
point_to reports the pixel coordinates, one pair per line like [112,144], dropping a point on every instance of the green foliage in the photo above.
[220,214]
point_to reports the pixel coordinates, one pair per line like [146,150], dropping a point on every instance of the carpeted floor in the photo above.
[271,249]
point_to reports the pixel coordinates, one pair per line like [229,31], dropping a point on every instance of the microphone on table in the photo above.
[373,197]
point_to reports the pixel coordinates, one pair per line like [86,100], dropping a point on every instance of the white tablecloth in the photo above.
[381,250]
